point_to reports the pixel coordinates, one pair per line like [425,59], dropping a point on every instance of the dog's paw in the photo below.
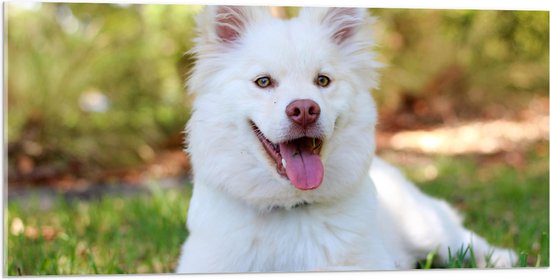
[502,258]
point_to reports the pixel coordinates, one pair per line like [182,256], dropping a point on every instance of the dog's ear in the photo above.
[228,23]
[342,23]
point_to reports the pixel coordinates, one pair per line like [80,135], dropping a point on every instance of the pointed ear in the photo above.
[343,23]
[228,23]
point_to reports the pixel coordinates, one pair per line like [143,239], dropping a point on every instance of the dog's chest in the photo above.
[300,240]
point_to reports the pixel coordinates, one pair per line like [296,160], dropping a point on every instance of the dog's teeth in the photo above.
[284,163]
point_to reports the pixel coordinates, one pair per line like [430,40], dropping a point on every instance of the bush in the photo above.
[97,82]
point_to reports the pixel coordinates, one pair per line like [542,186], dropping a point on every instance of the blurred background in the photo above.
[96,99]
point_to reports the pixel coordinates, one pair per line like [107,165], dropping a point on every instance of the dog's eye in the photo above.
[263,82]
[323,81]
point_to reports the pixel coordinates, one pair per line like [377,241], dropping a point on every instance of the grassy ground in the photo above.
[505,204]
[142,234]
[138,234]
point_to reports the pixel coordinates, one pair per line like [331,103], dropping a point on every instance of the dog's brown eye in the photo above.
[263,82]
[323,81]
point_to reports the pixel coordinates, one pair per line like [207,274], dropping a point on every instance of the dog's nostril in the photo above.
[314,110]
[303,112]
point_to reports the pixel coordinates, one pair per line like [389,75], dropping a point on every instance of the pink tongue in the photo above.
[303,167]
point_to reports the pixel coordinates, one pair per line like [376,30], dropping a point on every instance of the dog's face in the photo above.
[283,113]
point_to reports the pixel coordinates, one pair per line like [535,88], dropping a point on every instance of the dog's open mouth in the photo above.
[297,159]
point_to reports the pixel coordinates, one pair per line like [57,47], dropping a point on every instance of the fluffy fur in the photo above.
[246,217]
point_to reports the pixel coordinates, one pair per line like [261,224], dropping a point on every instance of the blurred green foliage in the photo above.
[473,59]
[132,56]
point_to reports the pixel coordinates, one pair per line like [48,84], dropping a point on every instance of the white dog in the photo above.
[282,141]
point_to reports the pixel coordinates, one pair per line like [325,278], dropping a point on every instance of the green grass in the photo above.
[138,234]
[506,205]
[143,233]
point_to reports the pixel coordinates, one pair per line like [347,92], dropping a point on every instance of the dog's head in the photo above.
[283,113]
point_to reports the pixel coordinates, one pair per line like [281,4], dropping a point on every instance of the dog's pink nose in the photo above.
[303,112]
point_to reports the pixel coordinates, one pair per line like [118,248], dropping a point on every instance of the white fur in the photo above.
[242,216]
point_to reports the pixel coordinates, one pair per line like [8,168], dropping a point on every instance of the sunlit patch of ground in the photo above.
[480,137]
